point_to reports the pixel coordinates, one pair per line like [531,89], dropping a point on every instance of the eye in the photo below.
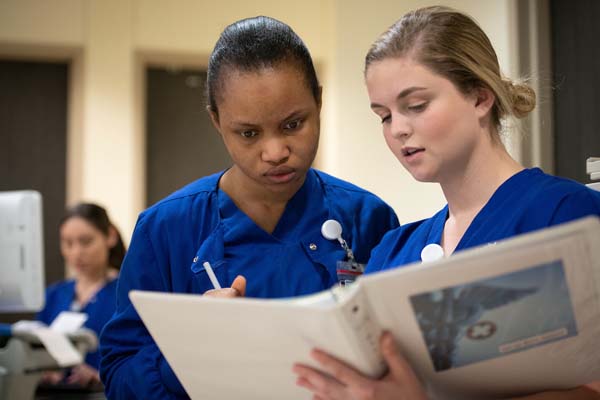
[248,134]
[86,241]
[293,125]
[385,119]
[418,107]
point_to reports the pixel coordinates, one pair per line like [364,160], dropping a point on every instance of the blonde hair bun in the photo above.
[522,97]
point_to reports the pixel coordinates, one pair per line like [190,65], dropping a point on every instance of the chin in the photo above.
[423,176]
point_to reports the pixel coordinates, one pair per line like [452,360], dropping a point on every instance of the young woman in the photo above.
[261,218]
[93,250]
[433,79]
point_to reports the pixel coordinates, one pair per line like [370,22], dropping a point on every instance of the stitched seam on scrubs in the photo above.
[584,191]
[211,189]
[154,261]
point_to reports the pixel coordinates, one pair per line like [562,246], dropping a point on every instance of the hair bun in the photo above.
[522,97]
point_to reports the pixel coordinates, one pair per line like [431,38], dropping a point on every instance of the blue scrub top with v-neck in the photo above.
[199,223]
[527,201]
[292,267]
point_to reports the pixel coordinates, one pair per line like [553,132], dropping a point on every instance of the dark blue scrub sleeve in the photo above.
[132,366]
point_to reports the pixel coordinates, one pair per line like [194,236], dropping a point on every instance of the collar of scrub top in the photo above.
[319,249]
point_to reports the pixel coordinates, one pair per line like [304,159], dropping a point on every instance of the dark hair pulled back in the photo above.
[252,44]
[98,217]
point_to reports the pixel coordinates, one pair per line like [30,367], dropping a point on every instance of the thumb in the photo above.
[399,367]
[239,284]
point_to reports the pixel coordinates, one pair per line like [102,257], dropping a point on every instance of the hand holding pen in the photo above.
[237,289]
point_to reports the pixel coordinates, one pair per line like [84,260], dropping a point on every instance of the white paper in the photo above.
[27,326]
[68,321]
[59,346]
[55,337]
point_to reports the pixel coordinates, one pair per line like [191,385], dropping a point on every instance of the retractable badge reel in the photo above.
[432,252]
[347,270]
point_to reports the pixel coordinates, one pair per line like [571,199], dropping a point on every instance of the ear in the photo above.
[214,118]
[113,236]
[484,101]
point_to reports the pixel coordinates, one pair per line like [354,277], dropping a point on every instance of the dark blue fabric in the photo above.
[528,201]
[5,330]
[99,309]
[199,223]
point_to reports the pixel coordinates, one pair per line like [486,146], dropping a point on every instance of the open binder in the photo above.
[517,316]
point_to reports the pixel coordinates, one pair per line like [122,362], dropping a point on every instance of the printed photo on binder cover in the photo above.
[495,317]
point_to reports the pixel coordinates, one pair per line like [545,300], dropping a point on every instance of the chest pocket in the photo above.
[325,253]
[202,279]
[212,251]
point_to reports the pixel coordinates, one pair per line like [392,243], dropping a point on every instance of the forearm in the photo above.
[146,375]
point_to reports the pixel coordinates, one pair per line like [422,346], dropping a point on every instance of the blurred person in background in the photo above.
[93,252]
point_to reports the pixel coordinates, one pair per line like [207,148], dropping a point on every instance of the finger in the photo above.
[339,370]
[305,383]
[222,293]
[239,284]
[53,377]
[73,378]
[397,364]
[318,382]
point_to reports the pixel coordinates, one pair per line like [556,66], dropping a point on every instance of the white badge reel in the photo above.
[349,270]
[432,252]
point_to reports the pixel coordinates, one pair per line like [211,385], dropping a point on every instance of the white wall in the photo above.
[109,40]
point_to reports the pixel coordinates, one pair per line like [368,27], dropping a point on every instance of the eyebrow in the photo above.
[294,114]
[402,94]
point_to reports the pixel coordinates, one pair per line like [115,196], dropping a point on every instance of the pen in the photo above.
[211,275]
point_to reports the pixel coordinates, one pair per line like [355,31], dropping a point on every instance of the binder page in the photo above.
[243,348]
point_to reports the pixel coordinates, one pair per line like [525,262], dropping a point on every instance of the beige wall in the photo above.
[108,41]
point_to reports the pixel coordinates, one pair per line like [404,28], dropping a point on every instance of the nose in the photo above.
[275,150]
[76,250]
[400,127]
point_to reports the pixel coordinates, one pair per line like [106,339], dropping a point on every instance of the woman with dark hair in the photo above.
[93,251]
[260,219]
[434,80]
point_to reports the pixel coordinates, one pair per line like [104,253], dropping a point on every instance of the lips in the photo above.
[409,151]
[280,174]
[279,171]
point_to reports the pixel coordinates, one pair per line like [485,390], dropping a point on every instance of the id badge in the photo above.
[348,271]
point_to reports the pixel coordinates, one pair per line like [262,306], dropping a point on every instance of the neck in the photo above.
[469,189]
[263,206]
[92,279]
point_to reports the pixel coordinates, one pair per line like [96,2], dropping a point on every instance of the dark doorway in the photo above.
[576,70]
[33,140]
[182,144]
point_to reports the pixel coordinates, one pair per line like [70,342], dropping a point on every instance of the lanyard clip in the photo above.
[332,230]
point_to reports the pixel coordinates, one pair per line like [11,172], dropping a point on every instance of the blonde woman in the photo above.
[433,79]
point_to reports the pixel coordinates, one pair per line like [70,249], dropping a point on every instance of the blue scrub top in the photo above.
[527,201]
[99,309]
[199,223]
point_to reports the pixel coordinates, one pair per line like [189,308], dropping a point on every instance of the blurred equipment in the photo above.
[21,252]
[593,169]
